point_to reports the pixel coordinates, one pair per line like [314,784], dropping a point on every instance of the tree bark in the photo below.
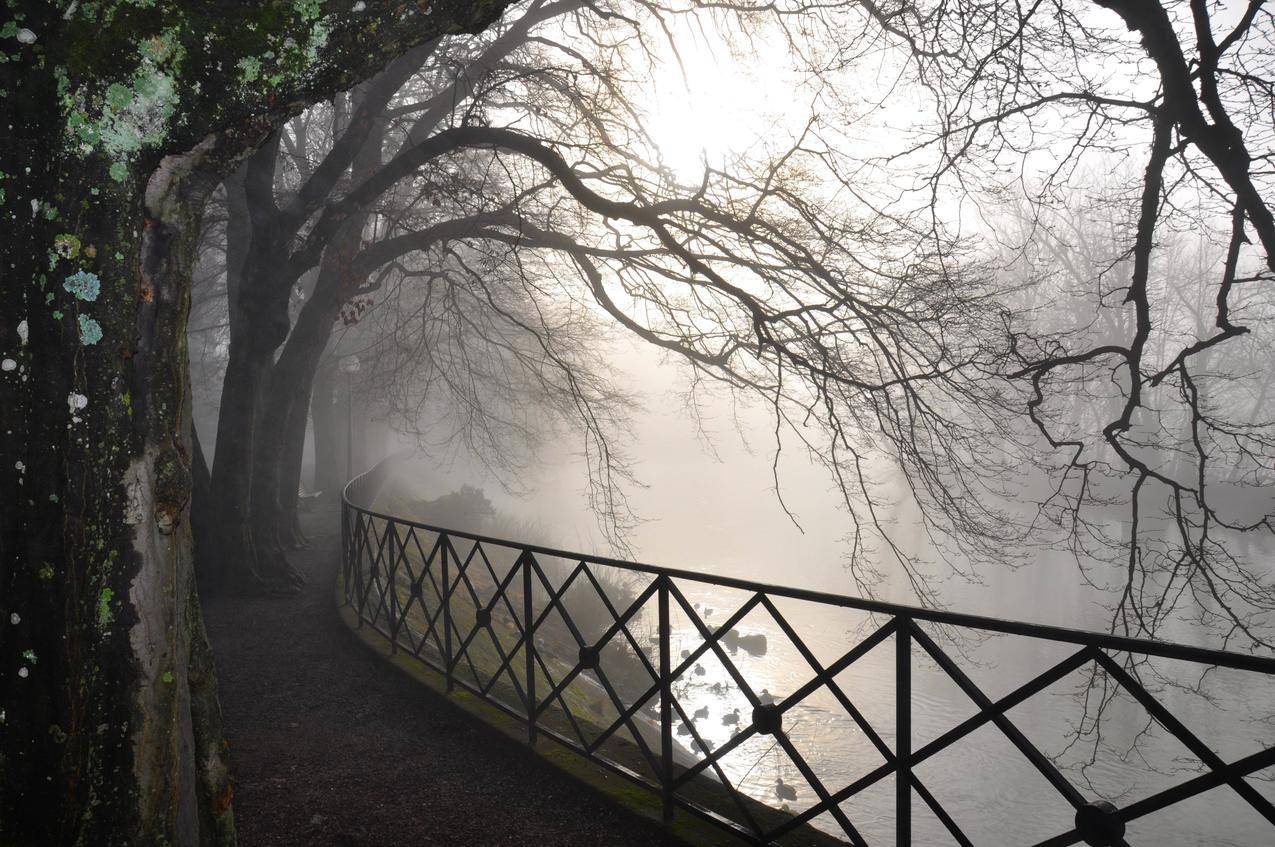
[245,475]
[109,727]
[281,444]
[291,534]
[102,631]
[202,524]
[323,415]
[277,473]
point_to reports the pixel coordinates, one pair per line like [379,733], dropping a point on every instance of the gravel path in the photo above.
[330,747]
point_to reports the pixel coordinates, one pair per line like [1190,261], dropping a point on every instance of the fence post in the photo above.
[392,582]
[358,537]
[345,549]
[666,701]
[529,646]
[903,732]
[447,611]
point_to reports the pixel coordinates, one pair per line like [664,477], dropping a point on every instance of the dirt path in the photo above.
[330,747]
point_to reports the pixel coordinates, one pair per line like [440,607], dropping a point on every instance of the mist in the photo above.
[842,423]
[1030,399]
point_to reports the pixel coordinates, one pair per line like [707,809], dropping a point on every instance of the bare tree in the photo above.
[271,245]
[848,286]
[1021,106]
[751,276]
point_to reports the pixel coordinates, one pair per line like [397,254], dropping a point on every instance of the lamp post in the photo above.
[349,366]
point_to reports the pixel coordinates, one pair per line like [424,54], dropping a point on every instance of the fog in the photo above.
[839,422]
[764,299]
[705,500]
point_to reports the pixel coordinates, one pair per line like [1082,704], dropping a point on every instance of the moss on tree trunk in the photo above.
[120,117]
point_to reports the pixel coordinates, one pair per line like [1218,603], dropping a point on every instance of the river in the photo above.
[716,514]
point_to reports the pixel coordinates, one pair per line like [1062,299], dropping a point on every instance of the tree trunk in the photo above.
[290,469]
[108,695]
[282,440]
[109,727]
[269,452]
[282,444]
[245,475]
[201,512]
[323,415]
[249,556]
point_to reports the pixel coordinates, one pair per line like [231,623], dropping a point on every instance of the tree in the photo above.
[1017,108]
[268,251]
[819,277]
[122,118]
[761,223]
[1184,89]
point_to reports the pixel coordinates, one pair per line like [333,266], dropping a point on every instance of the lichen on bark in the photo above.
[121,116]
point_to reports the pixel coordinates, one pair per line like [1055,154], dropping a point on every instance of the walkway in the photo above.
[330,747]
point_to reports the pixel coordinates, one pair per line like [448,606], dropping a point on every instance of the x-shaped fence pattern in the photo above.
[408,580]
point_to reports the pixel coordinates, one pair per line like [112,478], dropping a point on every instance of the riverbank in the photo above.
[329,748]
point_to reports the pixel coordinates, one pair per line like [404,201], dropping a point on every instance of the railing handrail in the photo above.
[1103,640]
[384,549]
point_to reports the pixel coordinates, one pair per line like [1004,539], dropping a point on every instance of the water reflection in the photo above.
[987,785]
[841,732]
[992,791]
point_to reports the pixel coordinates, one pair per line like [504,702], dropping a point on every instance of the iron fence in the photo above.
[478,619]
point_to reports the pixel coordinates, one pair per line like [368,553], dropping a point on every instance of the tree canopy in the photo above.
[1010,265]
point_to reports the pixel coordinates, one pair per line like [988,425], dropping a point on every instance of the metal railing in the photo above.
[422,587]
